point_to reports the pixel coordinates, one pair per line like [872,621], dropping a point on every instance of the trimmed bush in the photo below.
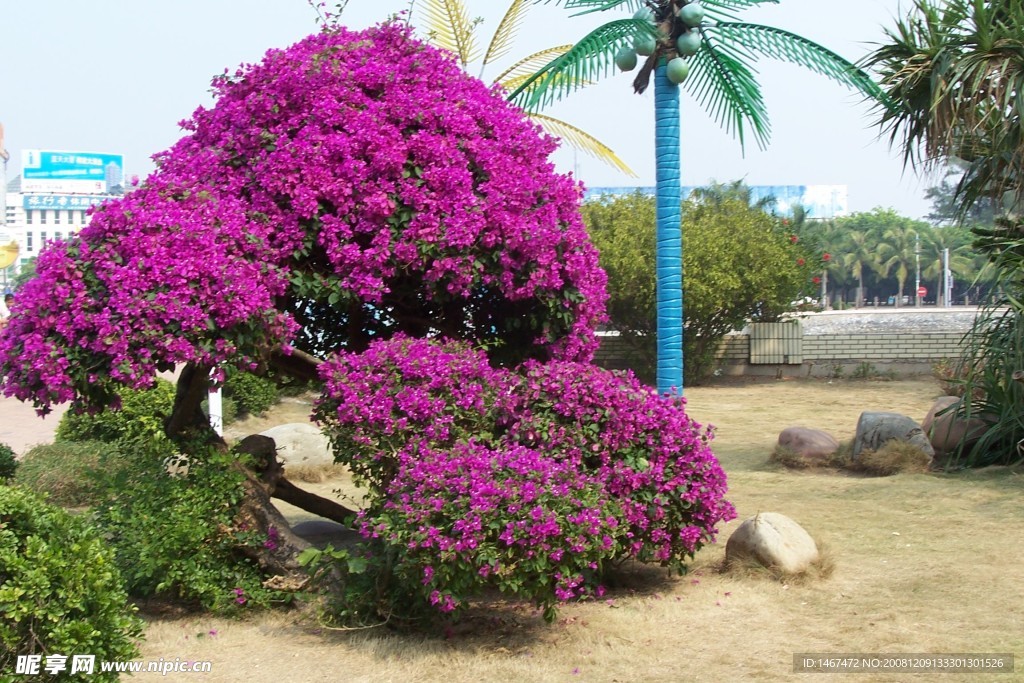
[252,394]
[137,425]
[8,463]
[60,591]
[69,473]
[176,538]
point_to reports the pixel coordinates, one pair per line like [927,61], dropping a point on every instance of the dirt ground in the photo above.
[924,563]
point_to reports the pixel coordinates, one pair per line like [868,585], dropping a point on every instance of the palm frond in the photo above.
[588,60]
[514,82]
[779,44]
[450,28]
[529,65]
[727,89]
[509,25]
[725,10]
[583,141]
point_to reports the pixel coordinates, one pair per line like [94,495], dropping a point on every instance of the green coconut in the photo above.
[645,45]
[677,70]
[692,14]
[688,43]
[625,59]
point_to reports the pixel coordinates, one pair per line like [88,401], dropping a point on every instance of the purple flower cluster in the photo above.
[352,168]
[524,479]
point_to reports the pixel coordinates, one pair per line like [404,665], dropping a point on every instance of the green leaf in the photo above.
[591,58]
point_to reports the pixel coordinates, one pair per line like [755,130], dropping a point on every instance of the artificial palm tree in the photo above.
[955,68]
[705,46]
[449,27]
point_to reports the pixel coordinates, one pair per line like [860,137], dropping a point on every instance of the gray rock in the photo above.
[300,444]
[813,444]
[774,541]
[947,430]
[320,532]
[874,429]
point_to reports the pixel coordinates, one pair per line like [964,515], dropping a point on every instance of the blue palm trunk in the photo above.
[669,254]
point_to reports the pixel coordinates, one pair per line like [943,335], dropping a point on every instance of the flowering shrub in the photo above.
[525,480]
[350,186]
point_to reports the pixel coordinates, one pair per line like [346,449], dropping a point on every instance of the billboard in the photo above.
[32,202]
[70,172]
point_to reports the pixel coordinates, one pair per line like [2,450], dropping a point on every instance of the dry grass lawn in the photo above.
[923,563]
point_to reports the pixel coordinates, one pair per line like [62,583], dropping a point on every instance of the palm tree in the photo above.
[961,256]
[449,27]
[897,253]
[859,256]
[955,69]
[676,39]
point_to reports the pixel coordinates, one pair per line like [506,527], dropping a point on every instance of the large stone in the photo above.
[947,430]
[774,541]
[811,444]
[875,429]
[300,444]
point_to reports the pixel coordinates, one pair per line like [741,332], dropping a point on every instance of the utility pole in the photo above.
[947,280]
[917,262]
[4,156]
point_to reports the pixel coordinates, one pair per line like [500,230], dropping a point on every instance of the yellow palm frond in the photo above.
[514,82]
[527,66]
[501,42]
[581,140]
[449,27]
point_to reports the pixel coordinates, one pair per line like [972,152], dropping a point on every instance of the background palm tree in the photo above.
[955,71]
[678,37]
[449,27]
[858,254]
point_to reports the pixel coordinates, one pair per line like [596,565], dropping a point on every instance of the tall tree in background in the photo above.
[448,26]
[675,40]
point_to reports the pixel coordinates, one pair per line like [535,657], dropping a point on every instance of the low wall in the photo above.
[823,354]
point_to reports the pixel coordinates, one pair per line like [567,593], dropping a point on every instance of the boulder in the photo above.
[320,532]
[947,430]
[874,429]
[300,444]
[811,444]
[774,541]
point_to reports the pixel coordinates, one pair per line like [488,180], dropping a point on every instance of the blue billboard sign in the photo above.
[70,172]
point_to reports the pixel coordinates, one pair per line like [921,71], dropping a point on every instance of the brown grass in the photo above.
[919,563]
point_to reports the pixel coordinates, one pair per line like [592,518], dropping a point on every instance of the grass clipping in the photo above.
[894,457]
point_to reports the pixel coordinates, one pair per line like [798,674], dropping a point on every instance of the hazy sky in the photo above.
[117,76]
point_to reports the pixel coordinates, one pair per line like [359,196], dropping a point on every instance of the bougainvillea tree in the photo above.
[354,188]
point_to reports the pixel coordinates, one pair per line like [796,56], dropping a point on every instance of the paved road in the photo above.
[21,428]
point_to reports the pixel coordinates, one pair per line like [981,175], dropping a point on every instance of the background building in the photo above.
[819,201]
[49,200]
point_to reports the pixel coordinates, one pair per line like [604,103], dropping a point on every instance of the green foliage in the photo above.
[989,368]
[138,426]
[60,591]
[739,260]
[954,68]
[8,463]
[26,272]
[174,533]
[69,473]
[252,394]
